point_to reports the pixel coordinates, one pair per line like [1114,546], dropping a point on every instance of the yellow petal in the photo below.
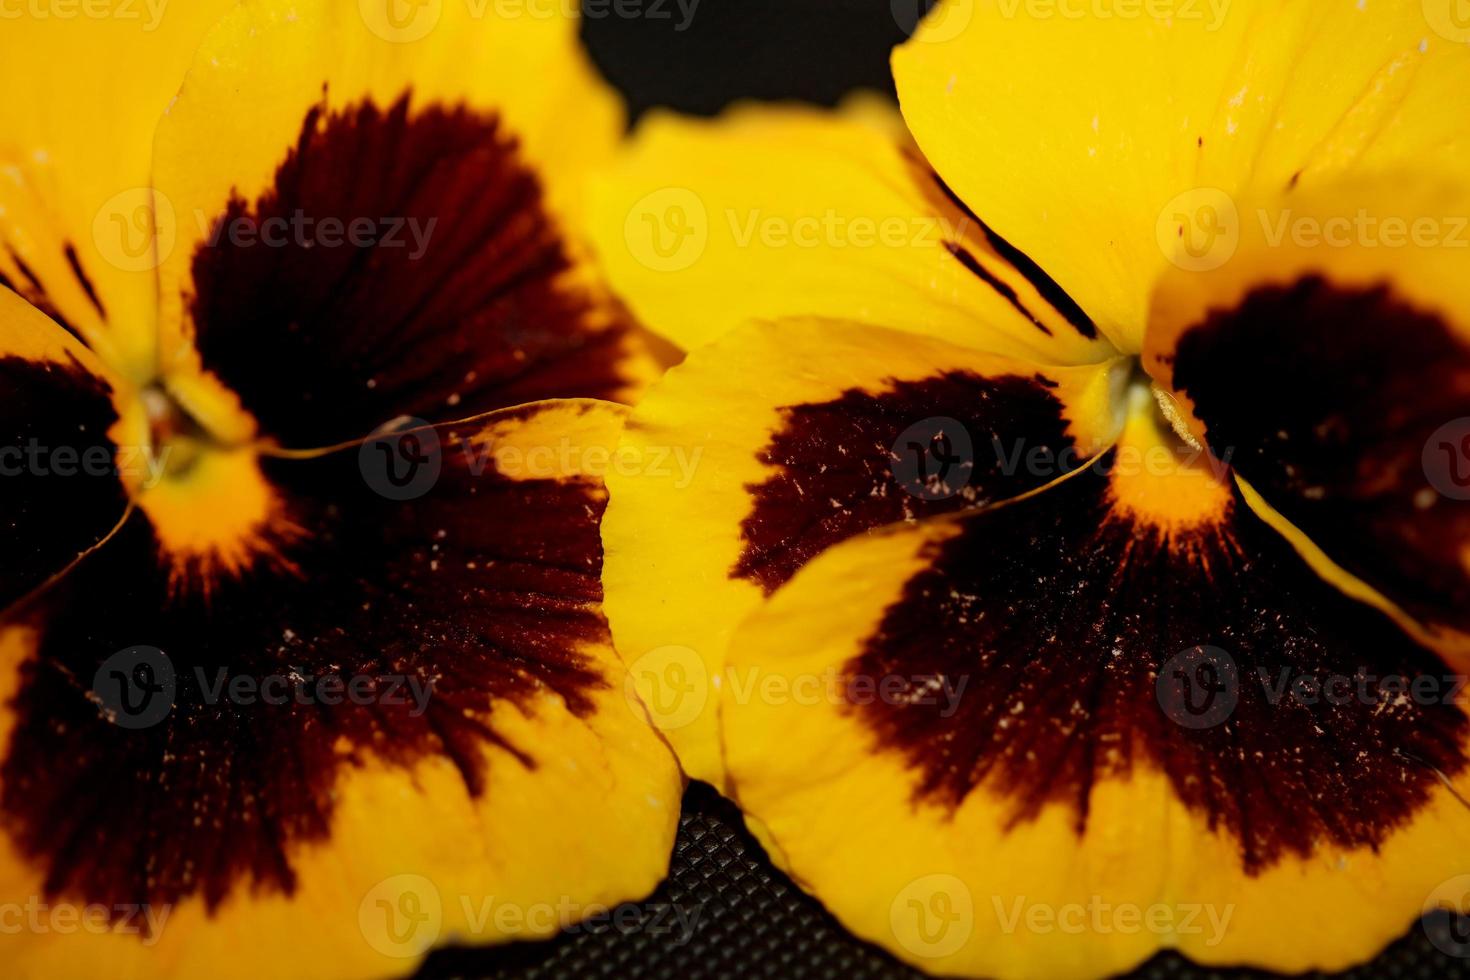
[76,149]
[782,439]
[778,211]
[1041,740]
[1094,136]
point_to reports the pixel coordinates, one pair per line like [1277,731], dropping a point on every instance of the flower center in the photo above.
[197,478]
[1162,475]
[175,438]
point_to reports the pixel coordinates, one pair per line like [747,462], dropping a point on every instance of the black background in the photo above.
[749,919]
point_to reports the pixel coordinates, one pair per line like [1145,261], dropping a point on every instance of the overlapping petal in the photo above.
[61,433]
[1093,136]
[401,708]
[782,439]
[1121,714]
[782,211]
[1324,353]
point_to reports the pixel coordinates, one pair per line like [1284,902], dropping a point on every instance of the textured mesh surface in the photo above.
[726,912]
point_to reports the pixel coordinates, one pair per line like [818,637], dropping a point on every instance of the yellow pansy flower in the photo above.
[306,392]
[1077,562]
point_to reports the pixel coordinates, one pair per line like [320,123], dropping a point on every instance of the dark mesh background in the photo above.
[747,918]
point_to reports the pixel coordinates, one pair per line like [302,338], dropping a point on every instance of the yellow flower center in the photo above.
[189,457]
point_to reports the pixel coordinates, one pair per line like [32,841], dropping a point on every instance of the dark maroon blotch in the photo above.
[459,306]
[1325,397]
[59,490]
[835,463]
[1055,615]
